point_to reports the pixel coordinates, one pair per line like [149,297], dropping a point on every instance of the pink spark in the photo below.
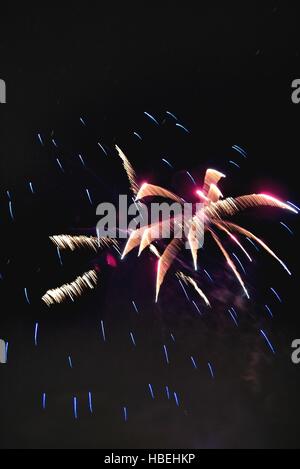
[111,261]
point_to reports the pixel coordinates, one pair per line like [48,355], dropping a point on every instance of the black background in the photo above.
[225,69]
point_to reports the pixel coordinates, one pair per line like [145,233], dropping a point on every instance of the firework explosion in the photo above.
[213,212]
[210,218]
[205,308]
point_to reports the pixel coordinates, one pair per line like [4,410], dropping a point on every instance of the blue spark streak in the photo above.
[11,210]
[211,370]
[233,317]
[209,276]
[70,362]
[137,135]
[26,295]
[31,187]
[82,160]
[240,150]
[168,163]
[135,307]
[253,244]
[60,165]
[75,410]
[176,399]
[151,117]
[276,294]
[197,307]
[194,363]
[40,139]
[191,178]
[242,267]
[268,341]
[151,390]
[44,400]
[168,392]
[172,115]
[185,292]
[269,311]
[103,331]
[90,402]
[102,148]
[166,354]
[287,228]
[234,164]
[89,196]
[36,331]
[293,205]
[59,256]
[132,339]
[6,351]
[125,413]
[182,127]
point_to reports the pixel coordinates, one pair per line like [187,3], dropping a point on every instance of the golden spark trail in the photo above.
[222,227]
[190,280]
[229,261]
[165,261]
[150,190]
[241,230]
[231,206]
[195,235]
[212,177]
[131,174]
[64,242]
[72,290]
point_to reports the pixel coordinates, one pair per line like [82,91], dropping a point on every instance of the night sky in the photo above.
[225,70]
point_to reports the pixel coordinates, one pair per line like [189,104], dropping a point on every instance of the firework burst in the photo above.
[212,215]
[210,218]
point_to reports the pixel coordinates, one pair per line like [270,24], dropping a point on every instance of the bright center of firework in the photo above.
[201,194]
